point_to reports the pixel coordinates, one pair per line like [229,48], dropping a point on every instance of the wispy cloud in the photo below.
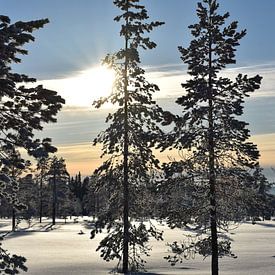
[170,76]
[79,124]
[86,86]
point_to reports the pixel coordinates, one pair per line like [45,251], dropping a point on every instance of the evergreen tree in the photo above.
[208,134]
[80,189]
[27,194]
[128,140]
[11,264]
[42,168]
[67,203]
[262,204]
[22,109]
[14,168]
[96,197]
[57,176]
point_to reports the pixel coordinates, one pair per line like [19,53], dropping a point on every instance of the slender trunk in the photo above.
[13,219]
[125,263]
[97,204]
[13,208]
[211,167]
[54,198]
[41,203]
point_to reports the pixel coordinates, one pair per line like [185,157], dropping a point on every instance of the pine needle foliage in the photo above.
[128,140]
[23,110]
[209,134]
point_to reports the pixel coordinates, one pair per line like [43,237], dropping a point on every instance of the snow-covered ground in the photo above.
[63,251]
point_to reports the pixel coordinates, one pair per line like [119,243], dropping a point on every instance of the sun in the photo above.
[92,84]
[99,80]
[85,87]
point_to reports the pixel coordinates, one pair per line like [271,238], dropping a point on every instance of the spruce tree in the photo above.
[212,140]
[262,205]
[57,175]
[27,194]
[15,166]
[80,190]
[42,168]
[128,140]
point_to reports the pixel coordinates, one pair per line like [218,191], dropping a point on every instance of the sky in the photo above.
[67,53]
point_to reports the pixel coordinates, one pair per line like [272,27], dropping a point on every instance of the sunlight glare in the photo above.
[84,88]
[99,80]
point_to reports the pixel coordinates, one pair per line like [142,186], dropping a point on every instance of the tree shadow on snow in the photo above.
[266,224]
[4,224]
[115,272]
[186,268]
[47,227]
[40,228]
[151,273]
[20,232]
[89,224]
[137,273]
[17,234]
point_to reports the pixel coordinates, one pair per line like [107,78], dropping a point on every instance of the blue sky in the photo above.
[81,32]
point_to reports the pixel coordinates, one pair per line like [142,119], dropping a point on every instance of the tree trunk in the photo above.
[13,208]
[125,264]
[41,203]
[213,224]
[211,167]
[13,219]
[54,199]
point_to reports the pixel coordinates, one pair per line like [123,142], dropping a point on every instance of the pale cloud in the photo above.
[78,122]
[169,78]
[89,85]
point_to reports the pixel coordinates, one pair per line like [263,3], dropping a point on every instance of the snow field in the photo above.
[62,251]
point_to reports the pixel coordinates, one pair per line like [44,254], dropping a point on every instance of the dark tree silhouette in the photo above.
[22,110]
[211,138]
[42,168]
[130,135]
[262,206]
[80,190]
[57,175]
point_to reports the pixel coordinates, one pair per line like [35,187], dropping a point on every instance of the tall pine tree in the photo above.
[212,140]
[128,140]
